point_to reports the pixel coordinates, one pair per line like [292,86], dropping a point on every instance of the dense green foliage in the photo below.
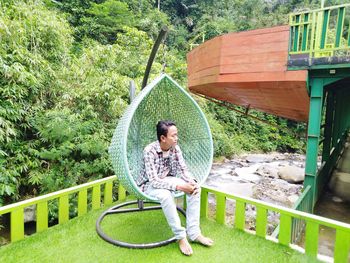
[65,68]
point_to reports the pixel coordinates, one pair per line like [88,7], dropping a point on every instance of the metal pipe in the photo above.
[162,34]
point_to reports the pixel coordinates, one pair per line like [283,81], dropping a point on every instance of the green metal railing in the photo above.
[304,204]
[320,33]
[193,43]
[312,222]
[16,210]
[324,173]
[287,216]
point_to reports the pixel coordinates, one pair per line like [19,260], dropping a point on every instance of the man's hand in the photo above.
[188,188]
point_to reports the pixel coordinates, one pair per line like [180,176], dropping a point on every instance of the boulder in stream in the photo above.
[291,174]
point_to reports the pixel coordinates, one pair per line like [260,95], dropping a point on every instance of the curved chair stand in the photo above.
[116,210]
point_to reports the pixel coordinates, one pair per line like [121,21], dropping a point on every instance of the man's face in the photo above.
[171,139]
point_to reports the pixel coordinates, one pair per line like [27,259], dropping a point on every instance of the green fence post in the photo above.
[311,239]
[285,229]
[342,246]
[96,197]
[261,221]
[204,203]
[17,225]
[240,215]
[82,202]
[63,209]
[41,216]
[121,192]
[220,208]
[108,198]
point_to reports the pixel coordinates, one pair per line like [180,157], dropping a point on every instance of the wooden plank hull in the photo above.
[250,69]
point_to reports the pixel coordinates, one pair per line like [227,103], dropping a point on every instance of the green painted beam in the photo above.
[296,34]
[17,225]
[261,221]
[324,28]
[305,33]
[220,208]
[240,215]
[340,24]
[285,229]
[54,195]
[328,126]
[63,209]
[204,203]
[242,200]
[96,197]
[311,239]
[313,135]
[82,202]
[108,198]
[342,246]
[121,192]
[42,217]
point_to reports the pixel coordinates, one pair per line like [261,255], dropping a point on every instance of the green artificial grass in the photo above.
[77,241]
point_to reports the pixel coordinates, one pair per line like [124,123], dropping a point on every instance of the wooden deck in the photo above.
[250,69]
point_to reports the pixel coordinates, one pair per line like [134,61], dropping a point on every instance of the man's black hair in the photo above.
[163,127]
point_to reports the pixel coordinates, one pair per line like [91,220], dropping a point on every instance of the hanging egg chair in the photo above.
[162,99]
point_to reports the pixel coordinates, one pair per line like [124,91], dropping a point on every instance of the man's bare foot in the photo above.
[185,247]
[205,241]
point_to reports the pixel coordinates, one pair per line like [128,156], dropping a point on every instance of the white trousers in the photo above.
[167,202]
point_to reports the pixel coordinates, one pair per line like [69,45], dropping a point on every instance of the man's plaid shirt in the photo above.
[156,167]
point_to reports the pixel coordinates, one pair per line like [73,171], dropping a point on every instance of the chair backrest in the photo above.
[162,99]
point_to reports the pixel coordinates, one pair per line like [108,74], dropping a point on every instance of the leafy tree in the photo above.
[65,68]
[106,19]
[29,62]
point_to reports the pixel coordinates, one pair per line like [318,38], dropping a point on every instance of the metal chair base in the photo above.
[116,210]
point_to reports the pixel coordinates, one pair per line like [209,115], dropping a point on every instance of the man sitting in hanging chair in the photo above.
[163,162]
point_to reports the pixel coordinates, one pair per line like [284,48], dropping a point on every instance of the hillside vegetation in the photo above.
[65,68]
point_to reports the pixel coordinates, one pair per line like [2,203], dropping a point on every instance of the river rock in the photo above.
[277,191]
[267,171]
[344,163]
[292,199]
[30,213]
[291,174]
[259,158]
[248,173]
[340,185]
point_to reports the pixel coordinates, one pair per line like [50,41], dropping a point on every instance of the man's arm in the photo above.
[151,172]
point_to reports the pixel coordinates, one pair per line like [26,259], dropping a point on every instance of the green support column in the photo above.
[313,135]
[336,118]
[347,110]
[328,127]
